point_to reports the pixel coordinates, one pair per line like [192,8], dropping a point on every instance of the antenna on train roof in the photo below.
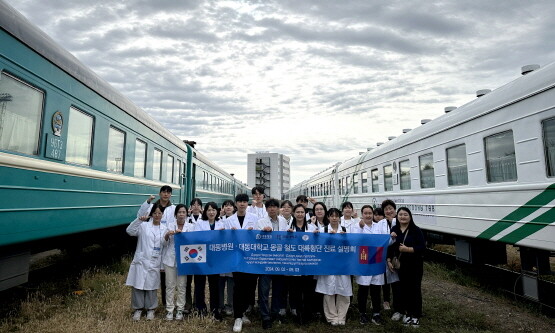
[482,92]
[391,137]
[406,130]
[379,144]
[449,108]
[190,143]
[528,69]
[425,121]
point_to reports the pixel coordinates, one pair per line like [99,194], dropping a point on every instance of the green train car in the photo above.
[77,158]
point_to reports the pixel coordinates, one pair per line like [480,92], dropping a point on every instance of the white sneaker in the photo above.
[282,312]
[169,315]
[137,315]
[386,306]
[294,312]
[238,325]
[150,315]
[396,316]
[406,319]
[245,320]
[414,322]
[179,315]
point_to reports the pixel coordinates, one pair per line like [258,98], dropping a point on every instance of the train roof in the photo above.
[18,26]
[522,87]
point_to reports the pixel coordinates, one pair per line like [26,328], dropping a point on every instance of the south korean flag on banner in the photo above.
[193,253]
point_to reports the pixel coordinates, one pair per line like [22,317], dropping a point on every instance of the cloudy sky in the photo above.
[318,81]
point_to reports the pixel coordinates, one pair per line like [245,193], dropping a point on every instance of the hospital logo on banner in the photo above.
[370,254]
[193,254]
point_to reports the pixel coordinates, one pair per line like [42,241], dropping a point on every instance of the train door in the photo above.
[194,181]
[183,182]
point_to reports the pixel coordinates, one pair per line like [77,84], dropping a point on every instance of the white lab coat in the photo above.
[391,276]
[347,223]
[203,225]
[250,221]
[266,222]
[168,257]
[376,228]
[309,227]
[334,284]
[259,212]
[144,272]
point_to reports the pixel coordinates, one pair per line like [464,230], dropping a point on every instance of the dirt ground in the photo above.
[500,311]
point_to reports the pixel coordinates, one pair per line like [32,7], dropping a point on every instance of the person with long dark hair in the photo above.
[144,271]
[301,288]
[408,247]
[336,289]
[207,222]
[320,218]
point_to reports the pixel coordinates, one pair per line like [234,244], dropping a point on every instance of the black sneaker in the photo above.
[377,319]
[266,324]
[363,319]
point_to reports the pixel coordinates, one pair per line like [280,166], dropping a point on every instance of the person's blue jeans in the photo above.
[265,282]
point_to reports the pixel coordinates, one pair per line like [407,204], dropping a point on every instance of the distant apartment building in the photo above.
[270,171]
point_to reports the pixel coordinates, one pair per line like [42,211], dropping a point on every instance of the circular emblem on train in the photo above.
[193,253]
[305,238]
[57,123]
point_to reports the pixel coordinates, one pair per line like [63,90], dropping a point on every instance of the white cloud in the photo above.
[318,81]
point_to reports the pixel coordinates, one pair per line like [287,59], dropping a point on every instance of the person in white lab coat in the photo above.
[245,283]
[372,283]
[337,289]
[168,217]
[174,280]
[144,272]
[208,221]
[349,215]
[273,222]
[301,289]
[258,208]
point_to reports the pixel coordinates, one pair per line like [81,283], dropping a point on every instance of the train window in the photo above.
[79,137]
[340,186]
[116,145]
[549,145]
[500,157]
[364,182]
[375,184]
[140,159]
[404,171]
[355,183]
[157,165]
[457,173]
[427,176]
[169,168]
[388,178]
[177,172]
[20,115]
[348,188]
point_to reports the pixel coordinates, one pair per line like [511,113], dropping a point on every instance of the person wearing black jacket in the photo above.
[408,247]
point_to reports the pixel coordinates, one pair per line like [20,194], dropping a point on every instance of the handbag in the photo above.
[395,260]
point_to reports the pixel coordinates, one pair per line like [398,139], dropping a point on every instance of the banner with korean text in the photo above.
[280,252]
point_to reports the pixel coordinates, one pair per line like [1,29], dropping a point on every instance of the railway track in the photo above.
[523,286]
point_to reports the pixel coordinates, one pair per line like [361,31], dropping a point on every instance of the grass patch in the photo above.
[100,302]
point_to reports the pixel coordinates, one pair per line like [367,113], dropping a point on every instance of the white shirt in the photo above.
[260,212]
[347,223]
[250,221]
[203,225]
[280,222]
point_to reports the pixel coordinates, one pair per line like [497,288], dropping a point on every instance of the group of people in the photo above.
[306,297]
